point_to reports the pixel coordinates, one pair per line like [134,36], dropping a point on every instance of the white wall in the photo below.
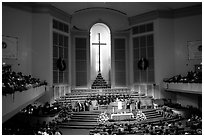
[163,53]
[18,23]
[186,29]
[42,47]
[188,99]
[85,20]
[164,49]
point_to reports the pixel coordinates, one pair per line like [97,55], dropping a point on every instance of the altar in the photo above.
[122,116]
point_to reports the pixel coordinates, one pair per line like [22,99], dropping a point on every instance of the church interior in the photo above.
[101,68]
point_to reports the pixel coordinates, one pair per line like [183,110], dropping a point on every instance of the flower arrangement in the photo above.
[102,118]
[140,116]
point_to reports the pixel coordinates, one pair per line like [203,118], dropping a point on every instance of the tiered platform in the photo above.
[82,120]
[100,83]
[151,114]
[83,94]
[88,119]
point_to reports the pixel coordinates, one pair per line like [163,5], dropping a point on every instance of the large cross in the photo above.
[99,44]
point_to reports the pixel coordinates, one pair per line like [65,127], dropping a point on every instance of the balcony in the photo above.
[193,88]
[13,103]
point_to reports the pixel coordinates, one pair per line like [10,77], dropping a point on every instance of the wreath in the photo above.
[143,64]
[61,65]
[4,45]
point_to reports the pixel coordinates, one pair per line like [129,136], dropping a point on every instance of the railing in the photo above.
[146,89]
[61,90]
[194,88]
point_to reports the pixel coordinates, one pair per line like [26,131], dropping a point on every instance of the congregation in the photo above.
[191,126]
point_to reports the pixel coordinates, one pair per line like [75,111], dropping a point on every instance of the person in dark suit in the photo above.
[138,104]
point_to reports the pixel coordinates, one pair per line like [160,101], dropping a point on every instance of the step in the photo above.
[74,96]
[82,92]
[164,120]
[86,113]
[80,123]
[90,112]
[83,120]
[154,117]
[153,120]
[76,127]
[91,94]
[148,110]
[80,95]
[62,100]
[151,113]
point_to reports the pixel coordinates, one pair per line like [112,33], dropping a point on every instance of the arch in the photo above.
[105,50]
[102,22]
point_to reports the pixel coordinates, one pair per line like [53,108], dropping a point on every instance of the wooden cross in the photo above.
[99,44]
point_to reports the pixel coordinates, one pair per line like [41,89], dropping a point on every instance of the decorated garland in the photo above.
[61,65]
[143,64]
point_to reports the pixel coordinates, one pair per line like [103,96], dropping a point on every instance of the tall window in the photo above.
[100,30]
[60,50]
[143,47]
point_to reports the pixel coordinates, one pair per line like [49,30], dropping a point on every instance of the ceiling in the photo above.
[127,8]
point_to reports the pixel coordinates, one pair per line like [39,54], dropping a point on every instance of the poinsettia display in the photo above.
[102,118]
[140,116]
[12,81]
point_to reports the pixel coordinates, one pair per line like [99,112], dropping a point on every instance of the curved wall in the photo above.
[85,19]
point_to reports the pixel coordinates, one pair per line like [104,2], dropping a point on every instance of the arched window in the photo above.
[100,30]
